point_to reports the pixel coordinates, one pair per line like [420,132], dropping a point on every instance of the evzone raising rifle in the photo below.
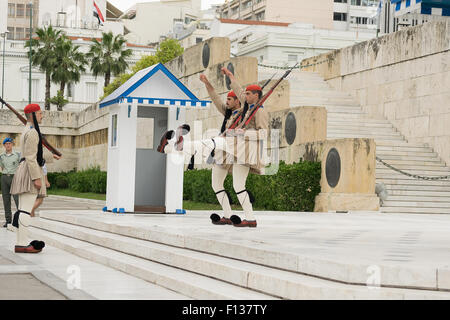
[246,121]
[29,180]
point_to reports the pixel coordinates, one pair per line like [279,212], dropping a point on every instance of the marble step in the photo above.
[358,125]
[354,117]
[409,182]
[393,175]
[362,127]
[181,281]
[420,210]
[389,156]
[420,193]
[269,281]
[422,171]
[360,122]
[368,133]
[403,146]
[427,204]
[418,188]
[354,128]
[277,272]
[370,136]
[417,198]
[414,164]
[409,148]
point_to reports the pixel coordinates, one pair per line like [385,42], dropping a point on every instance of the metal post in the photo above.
[3,69]
[31,32]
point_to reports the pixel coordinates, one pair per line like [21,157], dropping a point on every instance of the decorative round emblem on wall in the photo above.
[205,55]
[333,168]
[228,82]
[290,128]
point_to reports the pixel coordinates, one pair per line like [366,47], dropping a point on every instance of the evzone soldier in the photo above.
[240,150]
[29,181]
[230,110]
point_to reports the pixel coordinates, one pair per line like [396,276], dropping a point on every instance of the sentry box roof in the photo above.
[154,85]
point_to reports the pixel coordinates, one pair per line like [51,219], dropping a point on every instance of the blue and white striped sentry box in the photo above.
[140,179]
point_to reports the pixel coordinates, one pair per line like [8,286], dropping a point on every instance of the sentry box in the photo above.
[140,179]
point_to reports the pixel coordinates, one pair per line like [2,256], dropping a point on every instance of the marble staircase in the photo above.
[347,120]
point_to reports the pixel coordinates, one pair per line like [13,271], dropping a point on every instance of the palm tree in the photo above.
[43,55]
[108,56]
[69,64]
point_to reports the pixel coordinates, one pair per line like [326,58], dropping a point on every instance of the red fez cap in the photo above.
[253,87]
[231,94]
[33,107]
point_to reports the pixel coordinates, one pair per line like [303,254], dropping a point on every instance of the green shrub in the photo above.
[90,180]
[61,182]
[293,188]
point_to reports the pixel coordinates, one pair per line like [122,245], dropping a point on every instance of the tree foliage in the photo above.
[109,56]
[43,55]
[168,50]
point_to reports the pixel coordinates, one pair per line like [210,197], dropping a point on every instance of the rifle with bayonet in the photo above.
[24,121]
[237,124]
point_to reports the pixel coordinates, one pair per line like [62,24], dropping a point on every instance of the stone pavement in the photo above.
[409,251]
[48,276]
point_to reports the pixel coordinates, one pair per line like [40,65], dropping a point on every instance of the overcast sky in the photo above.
[125,4]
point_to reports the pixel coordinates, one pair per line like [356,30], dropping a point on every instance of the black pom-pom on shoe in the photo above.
[38,245]
[215,217]
[235,219]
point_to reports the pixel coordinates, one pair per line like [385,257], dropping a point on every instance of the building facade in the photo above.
[282,44]
[147,22]
[398,14]
[343,15]
[76,19]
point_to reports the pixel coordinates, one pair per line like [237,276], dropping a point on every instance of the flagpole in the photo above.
[31,32]
[76,13]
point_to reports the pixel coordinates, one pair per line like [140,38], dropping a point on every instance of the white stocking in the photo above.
[218,177]
[240,174]
[26,202]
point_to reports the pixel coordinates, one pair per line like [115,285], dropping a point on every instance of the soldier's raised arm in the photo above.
[213,95]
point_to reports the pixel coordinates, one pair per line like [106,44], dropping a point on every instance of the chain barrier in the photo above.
[286,68]
[412,175]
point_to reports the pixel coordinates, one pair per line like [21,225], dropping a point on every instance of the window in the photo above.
[20,10]
[35,90]
[10,33]
[91,92]
[356,2]
[27,33]
[340,16]
[341,1]
[260,16]
[20,34]
[11,10]
[114,130]
[292,58]
[247,4]
[198,40]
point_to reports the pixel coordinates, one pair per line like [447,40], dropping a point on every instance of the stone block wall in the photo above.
[403,76]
